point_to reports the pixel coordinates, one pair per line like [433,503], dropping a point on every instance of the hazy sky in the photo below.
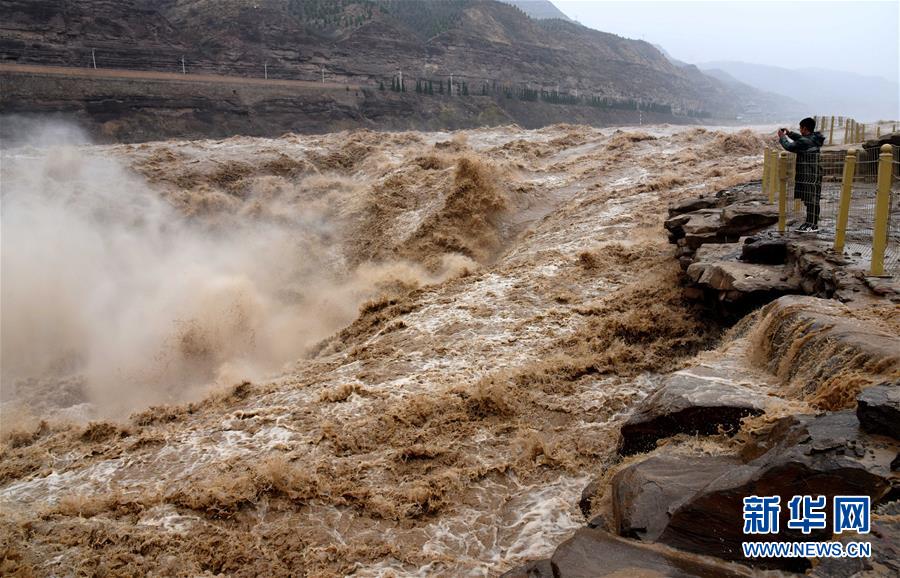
[861,37]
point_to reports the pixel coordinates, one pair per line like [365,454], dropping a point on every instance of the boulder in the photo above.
[642,505]
[593,553]
[718,252]
[885,541]
[891,138]
[695,229]
[809,455]
[878,409]
[736,281]
[691,205]
[765,249]
[739,219]
[692,404]
[711,224]
[586,502]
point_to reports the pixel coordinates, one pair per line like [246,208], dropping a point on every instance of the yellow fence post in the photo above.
[847,132]
[844,207]
[782,191]
[765,175]
[773,175]
[877,131]
[790,175]
[882,209]
[831,131]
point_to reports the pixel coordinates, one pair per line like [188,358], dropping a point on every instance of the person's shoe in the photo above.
[812,229]
[802,228]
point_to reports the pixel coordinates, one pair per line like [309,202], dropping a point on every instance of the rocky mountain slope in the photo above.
[538,9]
[479,42]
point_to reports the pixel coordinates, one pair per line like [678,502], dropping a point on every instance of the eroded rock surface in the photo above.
[593,553]
[727,224]
[645,495]
[825,455]
[767,248]
[736,260]
[691,403]
[878,409]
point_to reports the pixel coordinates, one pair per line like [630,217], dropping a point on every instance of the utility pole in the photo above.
[183,69]
[94,59]
[266,70]
[323,74]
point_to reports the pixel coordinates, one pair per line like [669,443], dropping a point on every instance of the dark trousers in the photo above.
[813,200]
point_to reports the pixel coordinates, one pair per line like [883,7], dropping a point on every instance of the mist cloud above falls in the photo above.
[104,279]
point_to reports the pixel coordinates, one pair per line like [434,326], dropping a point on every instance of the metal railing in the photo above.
[852,196]
[846,130]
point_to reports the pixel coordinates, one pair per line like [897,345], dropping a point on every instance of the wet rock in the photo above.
[691,404]
[534,569]
[593,553]
[735,288]
[694,229]
[599,522]
[891,138]
[885,541]
[765,249]
[735,280]
[691,205]
[718,252]
[717,224]
[644,495]
[741,218]
[587,497]
[886,287]
[809,455]
[878,409]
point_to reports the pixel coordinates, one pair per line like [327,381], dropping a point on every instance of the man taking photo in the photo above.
[808,173]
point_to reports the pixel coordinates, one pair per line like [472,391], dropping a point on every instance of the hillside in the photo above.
[482,43]
[538,9]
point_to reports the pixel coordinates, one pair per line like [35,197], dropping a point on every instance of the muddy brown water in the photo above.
[442,332]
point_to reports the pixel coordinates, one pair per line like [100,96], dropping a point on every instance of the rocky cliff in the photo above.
[479,42]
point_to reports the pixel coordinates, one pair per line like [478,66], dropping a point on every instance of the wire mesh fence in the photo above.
[814,183]
[839,130]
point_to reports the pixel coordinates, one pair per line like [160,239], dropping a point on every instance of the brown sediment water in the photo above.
[440,334]
[826,355]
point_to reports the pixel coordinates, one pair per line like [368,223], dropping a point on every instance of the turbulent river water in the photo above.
[356,353]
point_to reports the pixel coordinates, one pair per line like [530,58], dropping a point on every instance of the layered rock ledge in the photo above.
[801,399]
[735,261]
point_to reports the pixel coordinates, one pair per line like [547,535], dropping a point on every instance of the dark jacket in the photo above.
[808,174]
